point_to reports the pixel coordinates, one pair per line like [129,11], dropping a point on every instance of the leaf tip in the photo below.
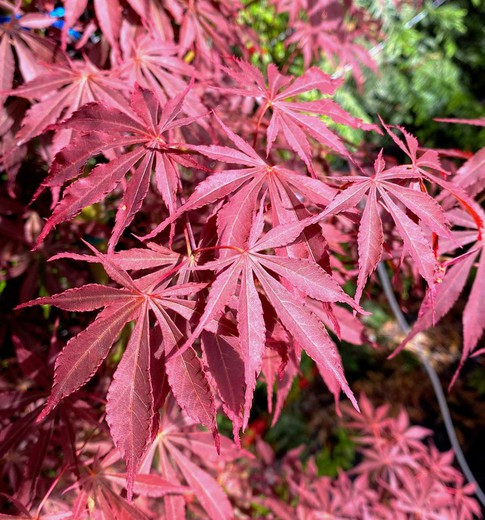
[22,306]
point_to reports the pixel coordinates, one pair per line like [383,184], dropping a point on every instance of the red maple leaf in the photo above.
[290,117]
[283,188]
[63,89]
[131,397]
[146,128]
[384,189]
[238,272]
[188,454]
[454,282]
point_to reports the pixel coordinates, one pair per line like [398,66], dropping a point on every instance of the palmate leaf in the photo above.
[382,190]
[237,273]
[153,64]
[63,89]
[187,454]
[322,32]
[289,117]
[453,285]
[271,287]
[424,165]
[206,28]
[33,51]
[244,186]
[130,408]
[102,483]
[146,128]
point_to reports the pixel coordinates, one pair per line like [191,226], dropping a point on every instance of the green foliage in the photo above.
[425,74]
[340,457]
[290,431]
[477,380]
[261,17]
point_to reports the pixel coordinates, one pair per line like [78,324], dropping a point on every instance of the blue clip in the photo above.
[58,12]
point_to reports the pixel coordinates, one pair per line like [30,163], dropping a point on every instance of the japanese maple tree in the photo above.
[206,203]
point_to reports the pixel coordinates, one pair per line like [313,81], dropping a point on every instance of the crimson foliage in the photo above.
[252,213]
